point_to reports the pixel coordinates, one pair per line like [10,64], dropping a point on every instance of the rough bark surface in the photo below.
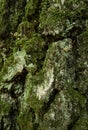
[43,65]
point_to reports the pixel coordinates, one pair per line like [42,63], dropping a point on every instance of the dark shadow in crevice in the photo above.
[50,38]
[72,124]
[14,111]
[35,125]
[19,80]
[2,124]
[14,94]
[75,57]
[45,108]
[47,105]
[34,18]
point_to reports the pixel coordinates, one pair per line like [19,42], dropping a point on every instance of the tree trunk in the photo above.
[43,65]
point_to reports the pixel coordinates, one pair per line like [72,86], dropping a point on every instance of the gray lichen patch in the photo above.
[16,66]
[60,114]
[45,88]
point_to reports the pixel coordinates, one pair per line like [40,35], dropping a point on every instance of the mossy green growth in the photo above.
[4,105]
[75,10]
[25,29]
[4,69]
[52,20]
[31,7]
[29,112]
[82,86]
[75,96]
[4,19]
[82,123]
[66,108]
[25,119]
[13,66]
[17,9]
[30,97]
[58,115]
[35,43]
[33,47]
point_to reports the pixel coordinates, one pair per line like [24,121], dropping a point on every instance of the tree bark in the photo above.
[43,65]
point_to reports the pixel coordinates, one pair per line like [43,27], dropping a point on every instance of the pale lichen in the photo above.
[45,88]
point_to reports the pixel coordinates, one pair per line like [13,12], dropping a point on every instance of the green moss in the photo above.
[76,9]
[76,98]
[82,123]
[25,28]
[25,120]
[68,105]
[17,9]
[51,20]
[4,19]
[31,106]
[4,69]
[30,97]
[4,105]
[33,47]
[31,8]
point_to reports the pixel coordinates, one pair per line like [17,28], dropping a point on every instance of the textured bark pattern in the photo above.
[44,65]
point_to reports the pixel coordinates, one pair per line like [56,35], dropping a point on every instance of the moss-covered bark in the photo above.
[43,65]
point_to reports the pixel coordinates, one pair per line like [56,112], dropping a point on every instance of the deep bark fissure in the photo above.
[72,124]
[2,124]
[47,105]
[14,111]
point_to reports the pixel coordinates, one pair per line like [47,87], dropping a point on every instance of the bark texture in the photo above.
[43,65]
